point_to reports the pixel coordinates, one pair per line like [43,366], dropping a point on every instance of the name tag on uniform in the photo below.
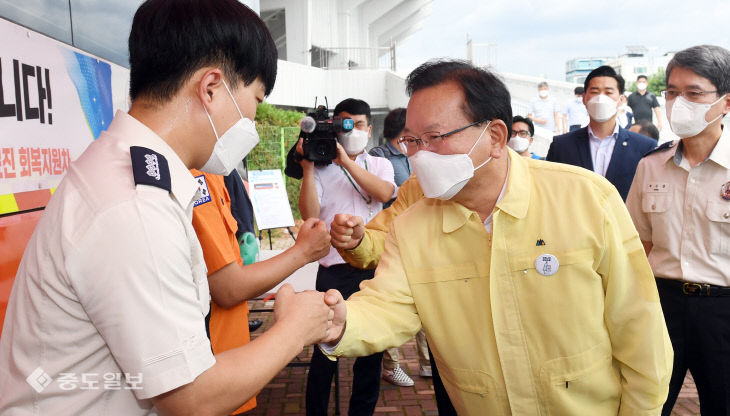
[657,187]
[547,264]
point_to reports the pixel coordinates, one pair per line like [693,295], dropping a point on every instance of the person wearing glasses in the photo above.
[680,204]
[528,277]
[521,137]
[603,146]
[359,184]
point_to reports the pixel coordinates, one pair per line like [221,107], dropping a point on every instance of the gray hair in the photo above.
[708,61]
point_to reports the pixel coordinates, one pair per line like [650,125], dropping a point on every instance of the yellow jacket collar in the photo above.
[515,201]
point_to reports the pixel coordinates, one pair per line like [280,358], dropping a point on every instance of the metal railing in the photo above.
[354,58]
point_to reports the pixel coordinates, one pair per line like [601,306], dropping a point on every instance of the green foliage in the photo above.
[268,115]
[656,82]
[276,127]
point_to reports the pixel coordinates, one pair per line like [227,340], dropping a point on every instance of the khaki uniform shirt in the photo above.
[682,212]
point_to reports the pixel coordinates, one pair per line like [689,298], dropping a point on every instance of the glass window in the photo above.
[639,70]
[50,17]
[101,27]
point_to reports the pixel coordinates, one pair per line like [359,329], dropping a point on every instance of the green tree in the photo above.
[274,125]
[656,82]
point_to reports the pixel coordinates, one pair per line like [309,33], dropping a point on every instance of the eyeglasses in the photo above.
[522,133]
[430,137]
[692,95]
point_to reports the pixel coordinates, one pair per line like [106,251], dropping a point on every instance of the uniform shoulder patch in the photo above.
[150,168]
[203,191]
[665,146]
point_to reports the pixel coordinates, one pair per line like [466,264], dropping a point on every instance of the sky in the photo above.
[536,38]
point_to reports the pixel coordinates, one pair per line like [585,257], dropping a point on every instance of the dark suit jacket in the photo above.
[574,149]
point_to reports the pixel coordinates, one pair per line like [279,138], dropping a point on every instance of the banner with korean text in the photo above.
[54,101]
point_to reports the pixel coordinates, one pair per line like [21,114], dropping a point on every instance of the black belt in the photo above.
[695,289]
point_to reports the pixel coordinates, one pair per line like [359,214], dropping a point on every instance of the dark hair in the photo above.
[486,97]
[605,71]
[354,107]
[542,84]
[171,39]
[394,123]
[579,90]
[520,119]
[640,77]
[708,61]
[648,129]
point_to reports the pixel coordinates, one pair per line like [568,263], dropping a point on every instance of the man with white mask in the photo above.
[643,102]
[528,277]
[358,184]
[603,146]
[680,204]
[107,313]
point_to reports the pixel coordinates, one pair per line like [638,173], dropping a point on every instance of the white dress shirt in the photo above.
[601,150]
[337,195]
[112,286]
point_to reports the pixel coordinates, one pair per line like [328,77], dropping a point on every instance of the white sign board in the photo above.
[268,196]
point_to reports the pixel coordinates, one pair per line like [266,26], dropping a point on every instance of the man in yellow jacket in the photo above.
[551,304]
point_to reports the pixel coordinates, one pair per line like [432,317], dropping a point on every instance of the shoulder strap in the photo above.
[665,146]
[150,168]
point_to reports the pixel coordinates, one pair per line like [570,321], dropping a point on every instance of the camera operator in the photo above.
[356,183]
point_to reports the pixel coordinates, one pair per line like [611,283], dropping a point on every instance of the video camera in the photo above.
[319,134]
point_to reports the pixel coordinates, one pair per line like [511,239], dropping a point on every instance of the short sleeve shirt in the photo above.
[685,213]
[545,109]
[339,194]
[641,105]
[112,287]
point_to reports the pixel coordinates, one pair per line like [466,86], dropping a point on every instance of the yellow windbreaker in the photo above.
[509,335]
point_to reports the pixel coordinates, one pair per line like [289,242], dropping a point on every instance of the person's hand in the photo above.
[306,165]
[333,298]
[306,314]
[346,231]
[342,158]
[313,239]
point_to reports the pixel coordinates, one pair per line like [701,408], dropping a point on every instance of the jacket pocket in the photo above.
[586,383]
[473,390]
[655,202]
[718,212]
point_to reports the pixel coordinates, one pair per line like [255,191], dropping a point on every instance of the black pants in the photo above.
[699,328]
[443,402]
[366,371]
[574,127]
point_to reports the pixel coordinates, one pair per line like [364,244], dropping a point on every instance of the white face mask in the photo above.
[641,86]
[519,144]
[687,119]
[601,107]
[443,176]
[543,93]
[233,146]
[353,141]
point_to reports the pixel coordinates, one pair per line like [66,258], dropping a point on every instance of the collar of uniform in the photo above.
[721,153]
[134,133]
[514,202]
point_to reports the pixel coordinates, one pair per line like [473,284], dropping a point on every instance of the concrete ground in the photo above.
[284,395]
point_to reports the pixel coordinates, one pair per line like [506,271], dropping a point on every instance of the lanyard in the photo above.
[367,200]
